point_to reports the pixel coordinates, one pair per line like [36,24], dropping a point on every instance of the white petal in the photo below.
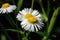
[36,28]
[23,22]
[24,25]
[32,28]
[9,10]
[23,12]
[27,10]
[35,12]
[27,27]
[4,11]
[19,17]
[30,10]
[13,7]
[38,16]
[40,22]
[1,10]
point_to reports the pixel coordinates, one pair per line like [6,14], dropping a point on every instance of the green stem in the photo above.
[26,37]
[52,21]
[32,4]
[40,33]
[18,32]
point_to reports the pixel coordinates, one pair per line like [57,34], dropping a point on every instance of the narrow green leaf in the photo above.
[40,33]
[14,30]
[19,4]
[3,37]
[43,11]
[11,21]
[48,7]
[32,4]
[52,21]
[5,32]
[7,35]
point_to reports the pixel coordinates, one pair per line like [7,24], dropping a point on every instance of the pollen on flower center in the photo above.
[5,5]
[30,18]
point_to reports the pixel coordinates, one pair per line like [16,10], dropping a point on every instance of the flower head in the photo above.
[31,19]
[7,8]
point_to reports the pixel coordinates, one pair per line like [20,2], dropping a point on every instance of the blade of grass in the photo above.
[48,11]
[14,30]
[7,35]
[32,4]
[19,5]
[3,37]
[5,31]
[25,36]
[48,7]
[40,33]
[11,21]
[43,11]
[52,22]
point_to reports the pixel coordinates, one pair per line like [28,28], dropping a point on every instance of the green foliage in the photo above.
[44,17]
[3,37]
[19,4]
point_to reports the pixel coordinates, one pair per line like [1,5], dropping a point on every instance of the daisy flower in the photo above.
[30,19]
[7,8]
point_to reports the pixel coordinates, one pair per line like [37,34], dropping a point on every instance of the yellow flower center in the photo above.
[30,18]
[5,5]
[28,15]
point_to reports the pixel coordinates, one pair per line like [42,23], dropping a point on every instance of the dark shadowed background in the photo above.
[55,35]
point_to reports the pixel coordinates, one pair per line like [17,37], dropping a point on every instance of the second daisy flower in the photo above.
[31,19]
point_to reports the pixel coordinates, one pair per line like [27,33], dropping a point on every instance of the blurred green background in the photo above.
[55,34]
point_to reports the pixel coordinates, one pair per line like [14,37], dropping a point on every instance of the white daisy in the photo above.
[7,8]
[31,19]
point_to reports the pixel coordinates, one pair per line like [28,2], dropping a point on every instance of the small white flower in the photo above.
[31,19]
[7,8]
